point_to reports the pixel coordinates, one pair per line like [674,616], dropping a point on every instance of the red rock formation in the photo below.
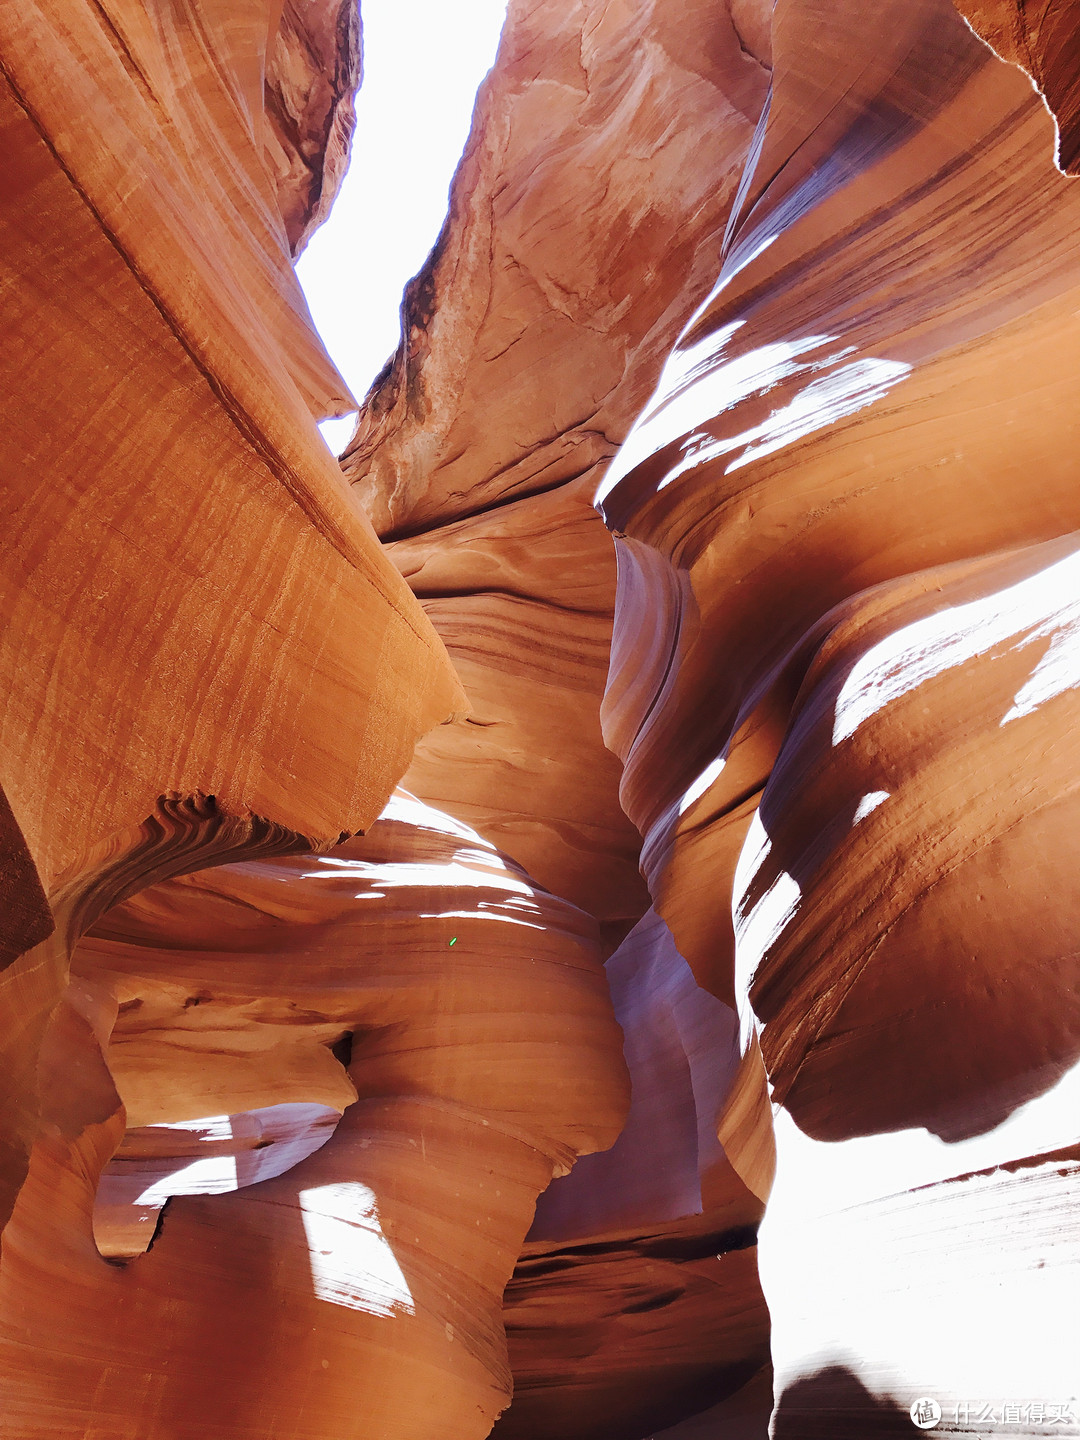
[1042,39]
[312,69]
[363,1287]
[843,688]
[272,1154]
[584,225]
[586,222]
[636,1300]
[193,602]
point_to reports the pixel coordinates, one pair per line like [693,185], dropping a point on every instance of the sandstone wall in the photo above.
[843,691]
[586,223]
[205,652]
[734,844]
[309,1277]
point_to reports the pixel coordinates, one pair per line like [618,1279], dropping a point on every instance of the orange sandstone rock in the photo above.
[312,68]
[585,223]
[636,1301]
[361,1291]
[1042,39]
[193,603]
[842,686]
[272,1154]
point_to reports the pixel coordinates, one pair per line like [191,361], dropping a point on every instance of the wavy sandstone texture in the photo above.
[1042,38]
[844,524]
[193,603]
[733,844]
[359,1292]
[586,223]
[584,226]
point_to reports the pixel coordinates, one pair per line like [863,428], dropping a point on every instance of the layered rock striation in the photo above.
[586,223]
[369,1035]
[187,581]
[700,1000]
[846,522]
[584,226]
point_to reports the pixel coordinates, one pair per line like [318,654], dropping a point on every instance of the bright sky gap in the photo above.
[423,62]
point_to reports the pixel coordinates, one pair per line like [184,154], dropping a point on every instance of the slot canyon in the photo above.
[553,923]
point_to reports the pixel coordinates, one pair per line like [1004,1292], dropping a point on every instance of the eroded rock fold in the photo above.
[561,922]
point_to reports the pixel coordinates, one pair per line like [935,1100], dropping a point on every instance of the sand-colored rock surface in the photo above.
[193,603]
[311,69]
[849,631]
[732,843]
[636,1300]
[180,498]
[585,224]
[846,690]
[1042,39]
[414,980]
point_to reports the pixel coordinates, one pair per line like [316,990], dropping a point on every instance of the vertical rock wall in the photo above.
[843,690]
[586,223]
[787,742]
[205,653]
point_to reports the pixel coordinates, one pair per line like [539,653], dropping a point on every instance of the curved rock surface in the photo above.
[311,71]
[187,581]
[585,224]
[843,688]
[1042,40]
[636,1300]
[414,980]
[741,862]
[848,631]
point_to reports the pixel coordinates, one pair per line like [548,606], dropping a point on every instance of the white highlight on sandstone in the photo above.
[1042,606]
[758,926]
[868,804]
[352,1263]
